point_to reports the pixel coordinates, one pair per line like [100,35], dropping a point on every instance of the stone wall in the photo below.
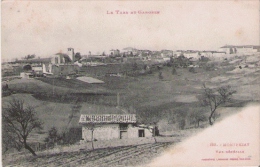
[101,132]
[111,131]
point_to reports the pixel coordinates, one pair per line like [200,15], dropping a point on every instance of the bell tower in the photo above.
[71,54]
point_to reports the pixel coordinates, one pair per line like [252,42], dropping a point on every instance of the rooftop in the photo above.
[107,118]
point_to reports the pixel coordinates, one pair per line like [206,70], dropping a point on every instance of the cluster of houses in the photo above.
[65,64]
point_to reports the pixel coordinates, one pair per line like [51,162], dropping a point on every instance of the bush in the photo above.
[181,124]
[174,70]
[72,136]
[192,69]
[160,75]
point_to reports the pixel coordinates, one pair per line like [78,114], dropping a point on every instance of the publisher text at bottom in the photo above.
[225,159]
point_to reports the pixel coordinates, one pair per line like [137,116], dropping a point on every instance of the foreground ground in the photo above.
[187,147]
[107,153]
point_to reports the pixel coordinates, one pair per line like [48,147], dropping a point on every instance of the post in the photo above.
[92,136]
[154,132]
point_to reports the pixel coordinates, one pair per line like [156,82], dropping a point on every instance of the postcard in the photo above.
[130,83]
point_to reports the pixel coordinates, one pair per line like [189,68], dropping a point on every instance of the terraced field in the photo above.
[125,155]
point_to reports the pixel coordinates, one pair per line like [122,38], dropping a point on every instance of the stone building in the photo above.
[112,126]
[61,64]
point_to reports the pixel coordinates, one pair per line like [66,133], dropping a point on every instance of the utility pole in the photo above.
[53,87]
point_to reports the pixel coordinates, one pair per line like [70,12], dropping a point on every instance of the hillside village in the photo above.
[65,64]
[135,102]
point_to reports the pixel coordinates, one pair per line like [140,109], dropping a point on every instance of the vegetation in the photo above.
[68,136]
[196,116]
[160,75]
[77,56]
[29,57]
[214,99]
[19,122]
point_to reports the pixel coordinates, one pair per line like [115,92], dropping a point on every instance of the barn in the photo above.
[112,126]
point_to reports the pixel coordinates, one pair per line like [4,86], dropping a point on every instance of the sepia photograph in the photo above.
[130,83]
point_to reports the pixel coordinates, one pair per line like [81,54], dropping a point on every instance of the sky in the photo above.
[44,28]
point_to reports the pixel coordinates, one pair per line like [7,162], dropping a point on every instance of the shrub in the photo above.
[181,124]
[72,136]
[192,69]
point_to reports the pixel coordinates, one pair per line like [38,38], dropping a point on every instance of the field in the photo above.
[159,98]
[117,153]
[54,97]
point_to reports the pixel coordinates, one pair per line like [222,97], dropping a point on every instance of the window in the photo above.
[140,133]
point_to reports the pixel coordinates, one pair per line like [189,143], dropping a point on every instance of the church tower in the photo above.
[71,54]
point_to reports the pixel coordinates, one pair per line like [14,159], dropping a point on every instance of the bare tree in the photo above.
[20,121]
[197,116]
[8,140]
[213,99]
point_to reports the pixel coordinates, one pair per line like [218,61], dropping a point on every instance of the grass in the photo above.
[144,93]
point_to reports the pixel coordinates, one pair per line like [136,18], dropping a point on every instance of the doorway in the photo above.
[140,133]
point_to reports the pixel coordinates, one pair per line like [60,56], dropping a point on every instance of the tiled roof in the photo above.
[107,118]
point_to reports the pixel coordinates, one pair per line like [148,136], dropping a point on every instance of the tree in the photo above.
[197,116]
[77,56]
[214,99]
[20,121]
[53,136]
[8,140]
[30,57]
[180,117]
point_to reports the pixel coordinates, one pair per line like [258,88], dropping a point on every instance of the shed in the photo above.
[111,126]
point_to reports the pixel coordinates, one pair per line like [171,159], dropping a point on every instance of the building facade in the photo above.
[243,49]
[112,126]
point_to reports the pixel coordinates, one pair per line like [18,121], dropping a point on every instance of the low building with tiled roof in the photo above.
[116,124]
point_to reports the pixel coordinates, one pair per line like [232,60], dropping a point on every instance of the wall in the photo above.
[57,59]
[101,132]
[189,55]
[64,69]
[206,54]
[111,131]
[247,50]
[133,132]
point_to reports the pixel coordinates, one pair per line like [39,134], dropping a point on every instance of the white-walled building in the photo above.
[243,49]
[112,126]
